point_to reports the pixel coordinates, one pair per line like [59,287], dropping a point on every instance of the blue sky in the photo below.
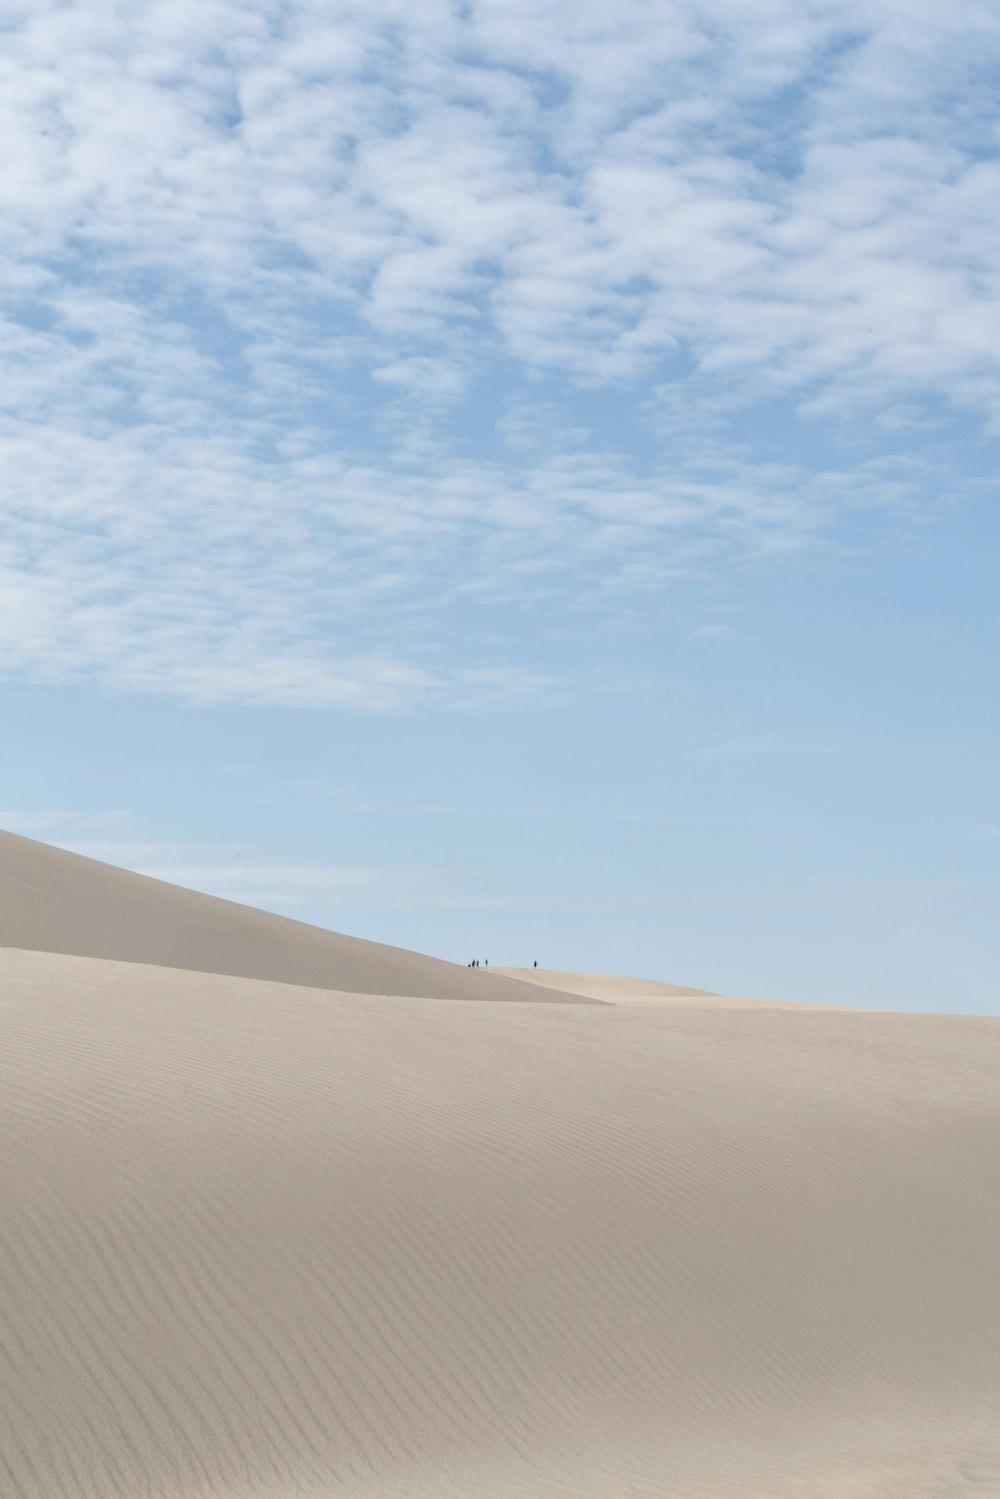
[515,480]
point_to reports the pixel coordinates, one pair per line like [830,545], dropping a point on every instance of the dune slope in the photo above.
[261,1241]
[611,988]
[55,901]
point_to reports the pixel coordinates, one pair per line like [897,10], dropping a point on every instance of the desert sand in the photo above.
[55,901]
[289,1239]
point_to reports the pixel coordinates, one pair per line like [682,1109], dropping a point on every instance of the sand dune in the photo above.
[55,901]
[266,1241]
[263,1240]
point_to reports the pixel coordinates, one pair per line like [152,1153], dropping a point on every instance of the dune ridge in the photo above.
[52,900]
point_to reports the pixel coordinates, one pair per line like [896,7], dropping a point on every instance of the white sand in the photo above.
[260,1239]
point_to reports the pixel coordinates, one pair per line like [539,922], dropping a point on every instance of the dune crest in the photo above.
[52,900]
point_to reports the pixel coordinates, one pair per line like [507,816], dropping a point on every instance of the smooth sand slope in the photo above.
[263,1241]
[609,988]
[618,989]
[55,901]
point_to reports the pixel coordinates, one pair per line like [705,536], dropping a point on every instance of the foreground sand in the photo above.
[266,1240]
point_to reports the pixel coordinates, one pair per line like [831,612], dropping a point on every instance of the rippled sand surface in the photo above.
[266,1239]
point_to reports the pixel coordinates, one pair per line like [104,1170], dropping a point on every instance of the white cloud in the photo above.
[258,257]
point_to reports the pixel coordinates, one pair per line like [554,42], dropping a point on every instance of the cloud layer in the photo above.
[321,318]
